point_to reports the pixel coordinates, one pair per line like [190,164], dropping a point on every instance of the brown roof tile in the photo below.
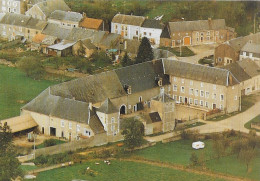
[91,23]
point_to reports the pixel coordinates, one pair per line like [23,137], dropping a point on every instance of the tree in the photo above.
[145,51]
[238,145]
[9,164]
[246,155]
[133,131]
[31,67]
[126,60]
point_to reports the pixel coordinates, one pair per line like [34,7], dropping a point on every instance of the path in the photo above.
[183,168]
[50,168]
[200,51]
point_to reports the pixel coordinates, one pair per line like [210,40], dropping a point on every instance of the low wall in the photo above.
[255,125]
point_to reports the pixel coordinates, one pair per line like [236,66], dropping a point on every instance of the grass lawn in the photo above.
[179,152]
[183,52]
[16,89]
[27,168]
[58,142]
[119,170]
[255,120]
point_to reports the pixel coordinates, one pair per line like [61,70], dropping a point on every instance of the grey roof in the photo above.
[152,23]
[132,46]
[66,16]
[82,33]
[64,108]
[250,67]
[160,53]
[142,76]
[239,42]
[56,31]
[163,98]
[107,107]
[48,6]
[199,72]
[237,71]
[251,47]
[88,44]
[128,19]
[93,88]
[181,26]
[111,40]
[23,21]
[64,44]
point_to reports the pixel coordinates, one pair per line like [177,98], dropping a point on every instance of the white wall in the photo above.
[155,34]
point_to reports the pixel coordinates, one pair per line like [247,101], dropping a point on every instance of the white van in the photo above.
[198,144]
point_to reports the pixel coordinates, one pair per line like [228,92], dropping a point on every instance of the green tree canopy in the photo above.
[133,131]
[9,164]
[145,51]
[126,60]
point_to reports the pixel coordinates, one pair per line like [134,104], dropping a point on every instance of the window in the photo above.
[150,34]
[250,54]
[174,79]
[175,97]
[136,32]
[191,92]
[208,33]
[129,106]
[197,34]
[190,101]
[207,94]
[235,98]
[222,97]
[214,87]
[201,103]
[182,89]
[219,59]
[180,99]
[208,38]
[201,84]
[244,53]
[201,34]
[206,104]
[196,102]
[174,87]
[201,93]
[135,108]
[221,107]
[140,99]
[78,127]
[196,92]
[9,3]
[112,127]
[145,33]
[214,96]
[112,120]
[62,123]
[191,82]
[28,31]
[182,81]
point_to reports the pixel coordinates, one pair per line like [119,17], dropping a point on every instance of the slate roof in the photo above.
[163,98]
[142,76]
[250,67]
[91,23]
[132,46]
[155,117]
[56,31]
[251,47]
[128,19]
[48,6]
[63,108]
[23,21]
[199,72]
[239,42]
[80,34]
[152,23]
[110,39]
[237,71]
[107,107]
[88,44]
[181,26]
[66,16]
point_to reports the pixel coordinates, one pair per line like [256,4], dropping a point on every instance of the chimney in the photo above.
[128,89]
[230,79]
[90,106]
[158,79]
[84,15]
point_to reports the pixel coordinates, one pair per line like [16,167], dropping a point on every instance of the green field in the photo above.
[57,142]
[119,170]
[256,119]
[16,89]
[179,152]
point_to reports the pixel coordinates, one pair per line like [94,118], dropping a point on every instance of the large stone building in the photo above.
[188,33]
[148,91]
[230,51]
[13,6]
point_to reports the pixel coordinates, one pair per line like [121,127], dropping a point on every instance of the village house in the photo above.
[230,51]
[189,33]
[40,42]
[203,87]
[65,19]
[12,25]
[13,6]
[152,29]
[248,74]
[43,9]
[251,50]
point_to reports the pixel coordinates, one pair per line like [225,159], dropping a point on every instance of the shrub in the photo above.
[50,142]
[41,160]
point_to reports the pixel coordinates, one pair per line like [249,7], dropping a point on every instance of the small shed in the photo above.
[61,49]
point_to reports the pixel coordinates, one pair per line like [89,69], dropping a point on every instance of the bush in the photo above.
[190,134]
[41,160]
[50,142]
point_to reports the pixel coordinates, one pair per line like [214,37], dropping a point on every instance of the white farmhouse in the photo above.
[128,26]
[152,29]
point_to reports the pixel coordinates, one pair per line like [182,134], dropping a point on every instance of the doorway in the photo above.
[42,130]
[123,109]
[52,131]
